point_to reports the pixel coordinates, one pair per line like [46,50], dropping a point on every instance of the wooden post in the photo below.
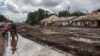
[81,23]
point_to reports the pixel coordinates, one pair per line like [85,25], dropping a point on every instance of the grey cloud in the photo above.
[34,4]
[19,7]
[84,5]
[45,3]
[1,4]
[16,17]
[12,7]
[51,3]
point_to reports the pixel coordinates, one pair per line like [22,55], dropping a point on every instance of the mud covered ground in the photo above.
[78,41]
[1,44]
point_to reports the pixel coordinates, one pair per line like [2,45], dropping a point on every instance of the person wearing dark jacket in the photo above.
[13,30]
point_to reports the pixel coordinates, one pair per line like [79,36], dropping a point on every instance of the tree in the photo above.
[7,20]
[98,10]
[77,13]
[31,18]
[64,13]
[35,17]
[3,18]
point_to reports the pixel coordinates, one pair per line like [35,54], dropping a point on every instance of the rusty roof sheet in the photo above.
[87,18]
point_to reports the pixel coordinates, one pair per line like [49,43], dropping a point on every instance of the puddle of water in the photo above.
[26,47]
[85,40]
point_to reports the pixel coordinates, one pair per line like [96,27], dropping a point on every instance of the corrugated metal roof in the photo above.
[96,17]
[87,18]
[52,18]
[73,18]
[67,18]
[55,18]
[81,18]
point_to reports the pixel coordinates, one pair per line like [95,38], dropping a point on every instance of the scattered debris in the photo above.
[66,39]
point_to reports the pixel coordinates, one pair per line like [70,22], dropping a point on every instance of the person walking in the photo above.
[5,29]
[13,30]
[13,33]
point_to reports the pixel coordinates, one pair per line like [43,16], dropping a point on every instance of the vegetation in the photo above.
[64,13]
[7,20]
[98,10]
[3,18]
[35,17]
[77,13]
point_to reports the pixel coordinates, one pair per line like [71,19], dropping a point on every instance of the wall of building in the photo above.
[94,23]
[99,24]
[61,23]
[85,23]
[94,13]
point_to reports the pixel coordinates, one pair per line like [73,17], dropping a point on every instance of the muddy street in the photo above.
[78,41]
[27,47]
[1,44]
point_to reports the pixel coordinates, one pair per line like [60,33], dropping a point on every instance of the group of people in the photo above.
[9,27]
[13,32]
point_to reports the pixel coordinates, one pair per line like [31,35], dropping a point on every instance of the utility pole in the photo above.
[68,10]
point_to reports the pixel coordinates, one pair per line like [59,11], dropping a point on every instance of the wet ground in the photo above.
[78,41]
[1,44]
[25,47]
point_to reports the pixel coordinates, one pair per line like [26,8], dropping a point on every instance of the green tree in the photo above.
[77,13]
[35,17]
[31,18]
[64,13]
[7,20]
[3,18]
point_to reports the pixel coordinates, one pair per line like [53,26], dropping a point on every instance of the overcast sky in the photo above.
[17,9]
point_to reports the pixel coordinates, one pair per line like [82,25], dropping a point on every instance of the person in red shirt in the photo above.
[5,29]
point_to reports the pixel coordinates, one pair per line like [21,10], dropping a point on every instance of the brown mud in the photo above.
[1,44]
[60,38]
